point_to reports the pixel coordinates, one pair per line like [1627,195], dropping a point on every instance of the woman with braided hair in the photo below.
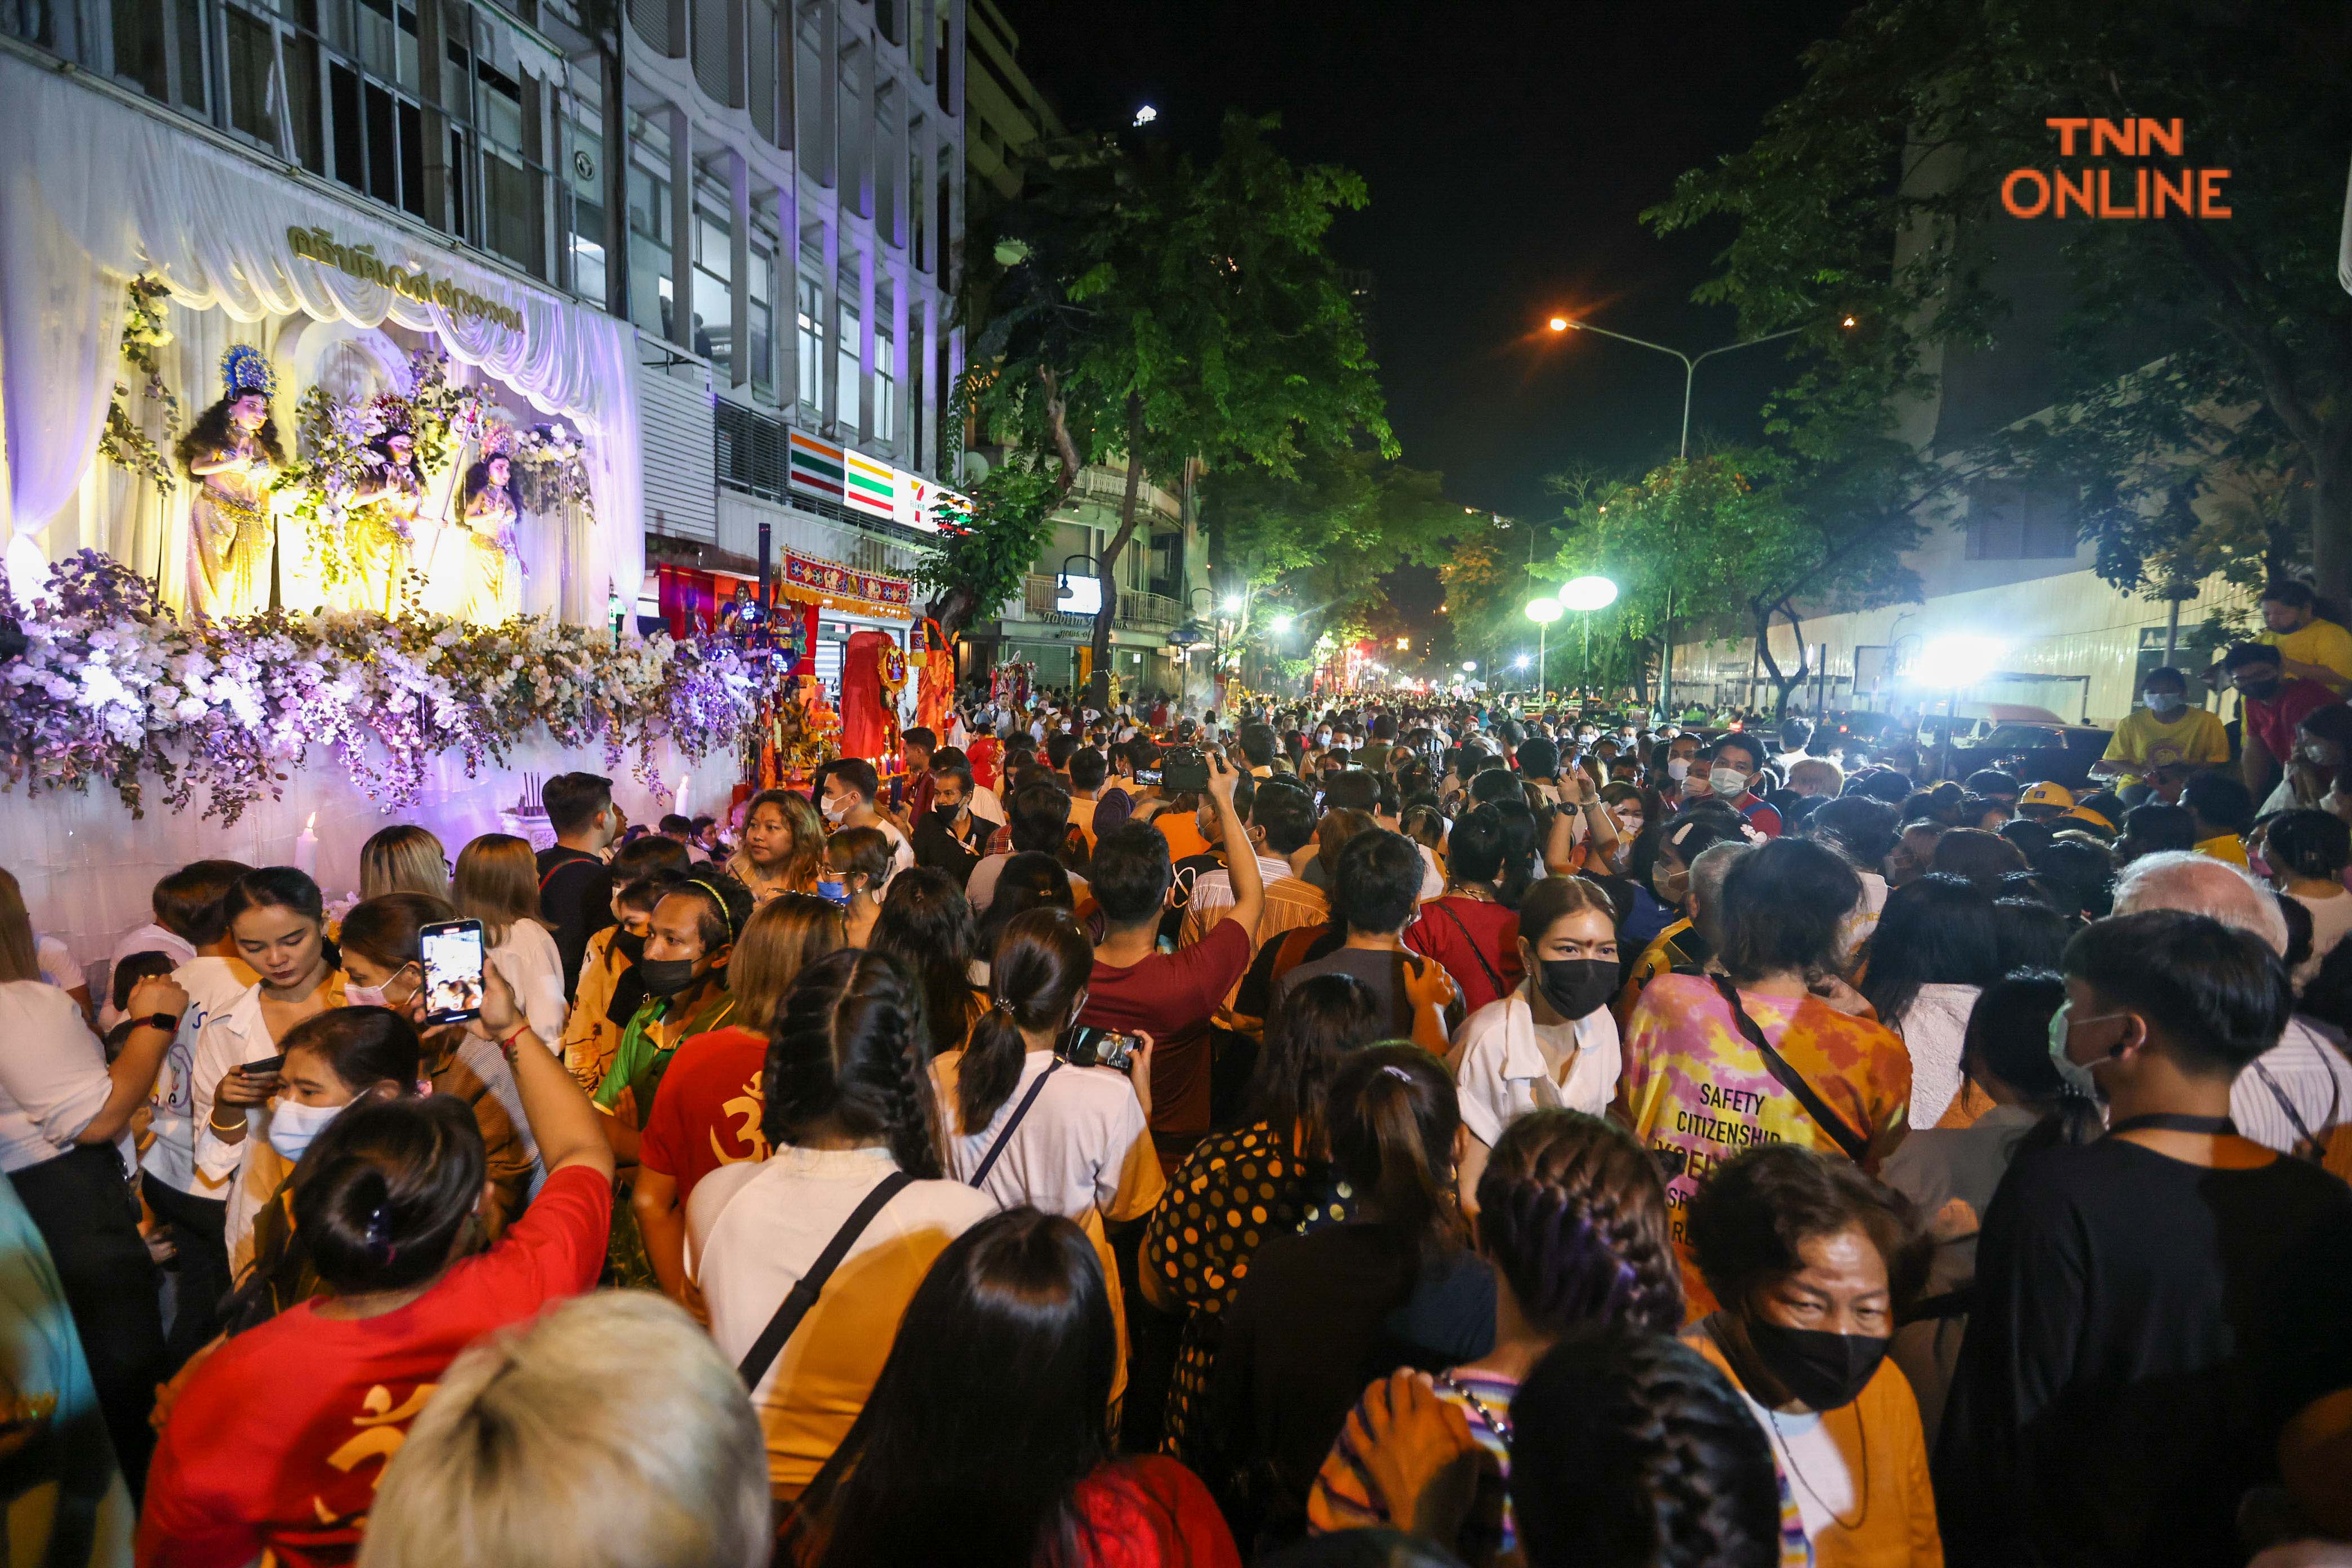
[850,1114]
[1573,1222]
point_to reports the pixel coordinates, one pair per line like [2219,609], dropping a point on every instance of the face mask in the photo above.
[2078,1077]
[2165,701]
[374,996]
[1671,887]
[835,893]
[1827,1371]
[292,1126]
[666,976]
[1729,782]
[1576,986]
[630,945]
[1677,768]
[835,811]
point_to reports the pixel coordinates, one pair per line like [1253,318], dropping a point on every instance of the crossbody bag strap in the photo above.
[1493,978]
[1013,1126]
[1854,1145]
[804,1291]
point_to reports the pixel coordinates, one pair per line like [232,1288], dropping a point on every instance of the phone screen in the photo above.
[453,970]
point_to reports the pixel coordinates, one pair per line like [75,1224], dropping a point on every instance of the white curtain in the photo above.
[93,191]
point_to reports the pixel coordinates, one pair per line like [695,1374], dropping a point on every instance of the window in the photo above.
[582,214]
[809,346]
[885,388]
[714,292]
[2007,522]
[760,330]
[845,393]
[649,258]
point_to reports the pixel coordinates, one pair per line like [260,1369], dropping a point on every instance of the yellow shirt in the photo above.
[2143,743]
[2322,643]
[2224,847]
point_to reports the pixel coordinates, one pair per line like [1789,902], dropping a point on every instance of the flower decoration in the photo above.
[111,687]
[123,441]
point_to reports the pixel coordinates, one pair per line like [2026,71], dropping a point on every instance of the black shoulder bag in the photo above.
[1853,1144]
[1013,1126]
[804,1293]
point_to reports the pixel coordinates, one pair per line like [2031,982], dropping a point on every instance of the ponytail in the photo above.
[1395,1115]
[1042,963]
[846,1050]
[386,1195]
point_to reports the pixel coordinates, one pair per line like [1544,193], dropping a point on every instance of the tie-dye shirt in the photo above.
[1698,1094]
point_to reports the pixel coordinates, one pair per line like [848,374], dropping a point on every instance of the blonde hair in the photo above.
[404,858]
[534,1449]
[783,936]
[497,884]
[799,873]
[19,958]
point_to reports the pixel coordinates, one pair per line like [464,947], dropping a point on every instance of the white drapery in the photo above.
[94,190]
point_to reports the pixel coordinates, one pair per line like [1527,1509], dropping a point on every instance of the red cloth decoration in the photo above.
[865,727]
[689,599]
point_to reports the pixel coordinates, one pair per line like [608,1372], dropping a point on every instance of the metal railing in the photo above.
[1149,612]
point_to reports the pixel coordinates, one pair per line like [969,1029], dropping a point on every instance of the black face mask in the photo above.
[1826,1370]
[666,976]
[630,945]
[1576,986]
[945,816]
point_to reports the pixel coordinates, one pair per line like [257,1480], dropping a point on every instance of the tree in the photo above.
[982,556]
[1143,305]
[2189,346]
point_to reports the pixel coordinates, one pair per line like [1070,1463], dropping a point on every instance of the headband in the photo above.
[726,915]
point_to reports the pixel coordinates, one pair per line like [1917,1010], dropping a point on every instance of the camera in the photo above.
[1184,770]
[1090,1046]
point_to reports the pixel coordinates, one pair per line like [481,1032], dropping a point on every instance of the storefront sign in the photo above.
[874,488]
[362,262]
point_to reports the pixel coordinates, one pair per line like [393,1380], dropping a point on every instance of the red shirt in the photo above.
[1151,1513]
[2273,720]
[278,1441]
[708,1111]
[1171,996]
[1459,932]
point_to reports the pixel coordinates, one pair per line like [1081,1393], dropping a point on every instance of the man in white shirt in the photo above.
[1040,825]
[1281,821]
[850,786]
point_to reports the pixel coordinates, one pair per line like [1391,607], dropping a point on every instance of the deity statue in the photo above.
[493,566]
[382,519]
[232,451]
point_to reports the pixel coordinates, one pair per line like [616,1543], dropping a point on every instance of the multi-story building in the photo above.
[718,235]
[1162,576]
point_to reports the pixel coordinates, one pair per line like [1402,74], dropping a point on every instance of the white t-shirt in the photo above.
[147,938]
[212,986]
[58,966]
[528,961]
[1084,1144]
[981,890]
[1803,1445]
[1504,1064]
[2330,919]
[53,1078]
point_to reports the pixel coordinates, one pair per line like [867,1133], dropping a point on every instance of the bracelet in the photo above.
[213,1121]
[508,1044]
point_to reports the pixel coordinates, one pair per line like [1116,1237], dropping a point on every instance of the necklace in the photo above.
[1497,1423]
[1788,1453]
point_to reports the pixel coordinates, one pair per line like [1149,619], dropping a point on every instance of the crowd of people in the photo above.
[1388,1133]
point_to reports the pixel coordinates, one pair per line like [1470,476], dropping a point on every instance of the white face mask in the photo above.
[1729,782]
[292,1126]
[836,810]
[1678,768]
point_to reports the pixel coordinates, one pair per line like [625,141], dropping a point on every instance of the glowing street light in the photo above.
[1232,604]
[1282,625]
[1587,594]
[1520,662]
[1952,661]
[1146,115]
[1405,645]
[1559,323]
[1470,666]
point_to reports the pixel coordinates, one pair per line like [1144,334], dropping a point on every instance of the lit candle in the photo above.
[679,806]
[306,849]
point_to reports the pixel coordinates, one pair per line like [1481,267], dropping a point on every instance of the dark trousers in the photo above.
[199,1234]
[84,1209]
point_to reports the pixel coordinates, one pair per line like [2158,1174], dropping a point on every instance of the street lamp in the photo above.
[1543,612]
[1586,594]
[1405,645]
[1953,661]
[1232,604]
[1282,625]
[1690,373]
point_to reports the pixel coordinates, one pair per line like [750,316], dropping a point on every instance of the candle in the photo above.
[678,805]
[306,849]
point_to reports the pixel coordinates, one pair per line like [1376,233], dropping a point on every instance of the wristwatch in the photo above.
[167,1022]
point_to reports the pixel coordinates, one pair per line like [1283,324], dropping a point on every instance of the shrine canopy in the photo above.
[96,190]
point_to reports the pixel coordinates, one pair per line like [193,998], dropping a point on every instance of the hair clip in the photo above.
[1397,1072]
[1003,1003]
[379,1236]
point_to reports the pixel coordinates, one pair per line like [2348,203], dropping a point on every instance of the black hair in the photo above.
[1741,741]
[2247,653]
[926,924]
[994,1393]
[214,431]
[1024,883]
[1491,784]
[2299,931]
[2081,876]
[862,851]
[2328,995]
[285,888]
[1751,1216]
[919,735]
[1982,858]
[1573,1214]
[653,854]
[2219,993]
[2029,835]
[1039,817]
[1087,768]
[2286,591]
[1131,873]
[1059,748]
[572,800]
[2009,1032]
[858,774]
[1863,828]
[1352,789]
[2317,845]
[846,1051]
[187,902]
[723,904]
[1522,844]
[387,1193]
[1937,930]
[148,963]
[2164,675]
[1257,743]
[2031,935]
[1378,885]
[949,762]
[1630,1449]
[1796,734]
[2156,827]
[2220,801]
[672,822]
[1286,814]
[1307,1037]
[1036,971]
[1538,757]
[1394,1113]
[1783,902]
[1474,850]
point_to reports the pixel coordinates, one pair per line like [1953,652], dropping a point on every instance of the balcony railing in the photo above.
[1149,612]
[1136,612]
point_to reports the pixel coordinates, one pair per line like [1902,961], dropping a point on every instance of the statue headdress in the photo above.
[497,441]
[245,369]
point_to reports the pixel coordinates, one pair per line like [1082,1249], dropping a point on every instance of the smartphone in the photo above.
[1185,771]
[263,1068]
[1146,775]
[453,970]
[1090,1046]
[834,892]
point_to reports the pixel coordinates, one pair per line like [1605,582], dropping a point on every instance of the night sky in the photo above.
[1509,149]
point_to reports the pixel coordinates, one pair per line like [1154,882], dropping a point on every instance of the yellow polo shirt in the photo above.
[2142,742]
[2322,643]
[2226,847]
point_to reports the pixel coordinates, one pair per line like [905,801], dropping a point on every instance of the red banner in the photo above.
[812,580]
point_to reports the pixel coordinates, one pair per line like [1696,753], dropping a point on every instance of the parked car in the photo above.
[2061,754]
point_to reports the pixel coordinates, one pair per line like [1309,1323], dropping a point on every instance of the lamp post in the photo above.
[1957,660]
[1587,594]
[1543,612]
[1690,374]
